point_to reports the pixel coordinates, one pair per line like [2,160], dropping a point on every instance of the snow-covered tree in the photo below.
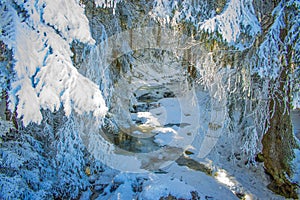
[47,78]
[26,171]
[253,69]
[264,87]
[69,161]
[278,63]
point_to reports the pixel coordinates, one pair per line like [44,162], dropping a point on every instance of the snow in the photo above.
[296,161]
[192,119]
[199,114]
[183,109]
[68,18]
[296,100]
[172,120]
[223,178]
[237,18]
[162,186]
[47,78]
[296,165]
[105,152]
[206,186]
[107,4]
[165,136]
[162,10]
[86,195]
[269,66]
[147,119]
[180,182]
[226,182]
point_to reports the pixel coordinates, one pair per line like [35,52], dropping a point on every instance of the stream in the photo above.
[155,114]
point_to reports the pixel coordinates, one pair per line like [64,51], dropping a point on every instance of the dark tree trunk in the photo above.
[278,144]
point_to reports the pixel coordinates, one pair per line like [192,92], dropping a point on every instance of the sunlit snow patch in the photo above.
[148,119]
[165,136]
[164,186]
[223,177]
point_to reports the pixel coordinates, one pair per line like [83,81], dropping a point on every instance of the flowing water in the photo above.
[139,137]
[154,115]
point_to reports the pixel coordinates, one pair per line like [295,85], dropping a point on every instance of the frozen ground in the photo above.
[166,117]
[228,181]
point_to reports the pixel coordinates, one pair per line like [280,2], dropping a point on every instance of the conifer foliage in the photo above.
[47,79]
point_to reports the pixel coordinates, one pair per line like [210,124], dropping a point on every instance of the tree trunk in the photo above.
[278,144]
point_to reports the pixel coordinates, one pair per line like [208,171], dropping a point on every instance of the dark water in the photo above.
[147,98]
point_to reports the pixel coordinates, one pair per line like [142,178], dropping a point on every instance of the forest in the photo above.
[150,99]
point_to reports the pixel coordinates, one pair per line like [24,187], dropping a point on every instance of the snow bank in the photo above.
[163,186]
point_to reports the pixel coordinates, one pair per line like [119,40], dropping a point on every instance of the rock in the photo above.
[192,164]
[194,194]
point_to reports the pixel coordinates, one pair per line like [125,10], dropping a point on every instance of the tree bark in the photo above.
[278,144]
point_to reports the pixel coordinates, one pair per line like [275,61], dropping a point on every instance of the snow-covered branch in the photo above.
[238,18]
[40,33]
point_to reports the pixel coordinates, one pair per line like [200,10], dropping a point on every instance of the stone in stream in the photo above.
[192,164]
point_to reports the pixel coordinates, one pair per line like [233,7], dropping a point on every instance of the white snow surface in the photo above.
[296,162]
[163,185]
